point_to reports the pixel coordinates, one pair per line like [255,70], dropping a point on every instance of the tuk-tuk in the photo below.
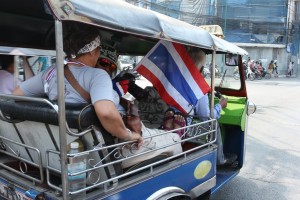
[35,133]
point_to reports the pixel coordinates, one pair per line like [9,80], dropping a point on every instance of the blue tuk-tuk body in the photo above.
[35,133]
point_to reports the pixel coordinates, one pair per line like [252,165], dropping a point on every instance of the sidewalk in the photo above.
[286,76]
[283,77]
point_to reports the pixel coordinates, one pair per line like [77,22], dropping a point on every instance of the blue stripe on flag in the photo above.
[116,88]
[165,62]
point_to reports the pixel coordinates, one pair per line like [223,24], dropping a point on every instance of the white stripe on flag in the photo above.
[146,56]
[164,81]
[184,70]
[120,88]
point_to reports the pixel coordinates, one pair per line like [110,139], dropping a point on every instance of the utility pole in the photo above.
[216,8]
[288,19]
[225,17]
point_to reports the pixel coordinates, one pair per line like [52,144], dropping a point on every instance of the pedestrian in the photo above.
[275,68]
[291,68]
[271,66]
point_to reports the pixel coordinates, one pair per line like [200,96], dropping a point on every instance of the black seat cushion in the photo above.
[79,116]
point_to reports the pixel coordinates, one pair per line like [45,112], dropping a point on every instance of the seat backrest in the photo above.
[152,109]
[36,125]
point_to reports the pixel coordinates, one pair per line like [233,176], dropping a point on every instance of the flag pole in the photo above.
[212,84]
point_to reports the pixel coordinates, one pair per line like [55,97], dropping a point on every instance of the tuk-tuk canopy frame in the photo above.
[38,24]
[30,24]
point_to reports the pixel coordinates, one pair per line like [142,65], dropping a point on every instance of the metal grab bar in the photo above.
[195,131]
[40,100]
[25,161]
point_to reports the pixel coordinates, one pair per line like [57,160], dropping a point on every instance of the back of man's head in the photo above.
[197,55]
[6,61]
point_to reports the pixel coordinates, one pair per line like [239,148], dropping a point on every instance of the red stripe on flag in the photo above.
[159,87]
[124,85]
[190,65]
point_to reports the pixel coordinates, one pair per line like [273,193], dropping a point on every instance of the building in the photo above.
[268,30]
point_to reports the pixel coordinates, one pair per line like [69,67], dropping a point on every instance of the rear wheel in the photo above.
[236,76]
[258,76]
[205,196]
[180,198]
[268,75]
[251,77]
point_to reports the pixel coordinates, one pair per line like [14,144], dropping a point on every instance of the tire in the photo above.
[236,76]
[268,75]
[251,77]
[205,196]
[180,198]
[258,76]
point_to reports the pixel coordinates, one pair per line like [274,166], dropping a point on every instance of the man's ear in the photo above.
[95,52]
[92,52]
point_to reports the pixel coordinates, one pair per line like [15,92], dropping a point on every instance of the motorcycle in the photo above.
[218,74]
[265,74]
[257,74]
[248,75]
[236,75]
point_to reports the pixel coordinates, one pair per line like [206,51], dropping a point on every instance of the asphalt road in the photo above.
[272,165]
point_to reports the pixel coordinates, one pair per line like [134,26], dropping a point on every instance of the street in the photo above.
[272,164]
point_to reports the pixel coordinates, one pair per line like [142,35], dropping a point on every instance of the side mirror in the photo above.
[251,108]
[231,59]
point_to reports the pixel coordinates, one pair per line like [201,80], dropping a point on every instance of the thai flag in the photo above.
[175,76]
[121,87]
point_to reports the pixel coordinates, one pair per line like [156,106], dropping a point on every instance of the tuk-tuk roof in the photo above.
[30,24]
[124,17]
[225,46]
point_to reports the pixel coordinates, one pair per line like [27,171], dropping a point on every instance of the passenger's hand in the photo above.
[223,102]
[138,137]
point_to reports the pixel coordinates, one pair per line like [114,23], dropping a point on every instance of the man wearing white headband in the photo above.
[90,46]
[81,45]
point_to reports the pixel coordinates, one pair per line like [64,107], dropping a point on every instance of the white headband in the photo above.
[90,47]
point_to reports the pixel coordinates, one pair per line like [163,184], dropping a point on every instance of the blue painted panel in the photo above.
[224,177]
[17,192]
[182,177]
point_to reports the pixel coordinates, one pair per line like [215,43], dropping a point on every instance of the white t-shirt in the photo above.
[95,81]
[7,82]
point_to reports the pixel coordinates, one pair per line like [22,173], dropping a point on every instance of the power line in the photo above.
[252,18]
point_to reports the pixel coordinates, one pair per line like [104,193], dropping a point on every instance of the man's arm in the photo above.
[27,70]
[219,106]
[18,92]
[203,111]
[112,122]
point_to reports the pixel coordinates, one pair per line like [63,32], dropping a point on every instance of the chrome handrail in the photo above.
[25,161]
[117,147]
